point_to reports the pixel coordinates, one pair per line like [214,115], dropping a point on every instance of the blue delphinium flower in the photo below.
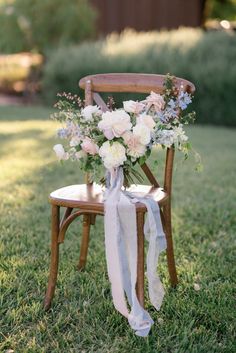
[161,116]
[62,133]
[184,100]
[167,115]
[172,104]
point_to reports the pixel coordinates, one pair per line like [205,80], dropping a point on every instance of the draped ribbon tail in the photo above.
[121,251]
[112,231]
[139,319]
[155,235]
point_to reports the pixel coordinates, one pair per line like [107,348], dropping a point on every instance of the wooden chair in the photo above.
[86,199]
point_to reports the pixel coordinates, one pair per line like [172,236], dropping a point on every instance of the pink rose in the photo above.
[133,107]
[89,146]
[155,100]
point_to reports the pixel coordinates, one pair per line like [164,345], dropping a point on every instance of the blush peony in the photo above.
[115,123]
[135,148]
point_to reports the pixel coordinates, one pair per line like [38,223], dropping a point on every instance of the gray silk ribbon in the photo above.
[121,251]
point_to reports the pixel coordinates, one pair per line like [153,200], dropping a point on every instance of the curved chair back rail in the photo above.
[131,82]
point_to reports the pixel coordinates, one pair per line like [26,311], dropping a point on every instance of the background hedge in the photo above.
[205,58]
[221,9]
[27,25]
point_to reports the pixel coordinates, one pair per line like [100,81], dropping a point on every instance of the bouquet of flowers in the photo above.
[125,136]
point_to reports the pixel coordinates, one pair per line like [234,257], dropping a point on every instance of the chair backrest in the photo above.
[133,83]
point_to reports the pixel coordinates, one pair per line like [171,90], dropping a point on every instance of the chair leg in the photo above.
[170,249]
[84,241]
[54,257]
[140,265]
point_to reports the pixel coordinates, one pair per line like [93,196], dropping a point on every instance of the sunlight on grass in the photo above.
[23,152]
[45,126]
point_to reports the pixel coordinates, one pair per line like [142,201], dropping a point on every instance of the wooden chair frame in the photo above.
[142,83]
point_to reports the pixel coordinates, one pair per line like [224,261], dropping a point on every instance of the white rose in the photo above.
[180,133]
[75,141]
[60,152]
[113,155]
[143,132]
[89,110]
[146,120]
[115,123]
[80,154]
[133,107]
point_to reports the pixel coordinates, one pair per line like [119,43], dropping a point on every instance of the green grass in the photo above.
[82,318]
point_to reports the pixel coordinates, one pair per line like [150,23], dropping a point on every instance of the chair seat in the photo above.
[90,196]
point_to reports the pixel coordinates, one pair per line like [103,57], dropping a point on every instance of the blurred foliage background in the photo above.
[62,45]
[221,9]
[205,58]
[43,25]
[39,26]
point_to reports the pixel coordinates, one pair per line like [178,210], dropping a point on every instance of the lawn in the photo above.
[82,318]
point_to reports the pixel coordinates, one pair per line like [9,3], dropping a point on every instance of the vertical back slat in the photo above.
[88,101]
[88,92]
[100,102]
